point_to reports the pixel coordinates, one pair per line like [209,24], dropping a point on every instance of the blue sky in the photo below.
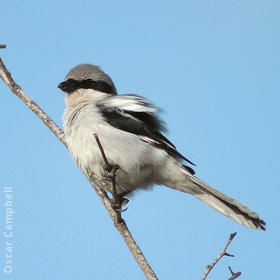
[213,66]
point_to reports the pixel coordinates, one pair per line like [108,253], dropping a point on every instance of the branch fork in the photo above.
[222,254]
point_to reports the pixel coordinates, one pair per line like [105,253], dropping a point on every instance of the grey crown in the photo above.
[89,71]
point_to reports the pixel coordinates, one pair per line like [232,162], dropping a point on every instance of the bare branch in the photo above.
[223,253]
[124,231]
[5,75]
[96,183]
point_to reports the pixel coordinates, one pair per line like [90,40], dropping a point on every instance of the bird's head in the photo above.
[87,76]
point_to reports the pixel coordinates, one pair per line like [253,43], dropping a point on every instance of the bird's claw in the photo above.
[118,203]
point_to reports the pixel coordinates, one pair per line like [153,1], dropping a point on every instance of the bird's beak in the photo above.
[62,86]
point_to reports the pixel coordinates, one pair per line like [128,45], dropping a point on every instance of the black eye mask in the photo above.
[71,85]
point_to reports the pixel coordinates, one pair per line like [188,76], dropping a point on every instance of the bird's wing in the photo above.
[137,115]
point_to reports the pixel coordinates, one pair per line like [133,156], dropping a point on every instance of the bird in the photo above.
[132,135]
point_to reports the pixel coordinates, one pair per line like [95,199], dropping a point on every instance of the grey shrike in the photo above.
[130,132]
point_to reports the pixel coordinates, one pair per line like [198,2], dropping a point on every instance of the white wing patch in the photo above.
[130,102]
[148,140]
[152,141]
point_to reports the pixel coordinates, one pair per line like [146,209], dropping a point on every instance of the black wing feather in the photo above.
[143,124]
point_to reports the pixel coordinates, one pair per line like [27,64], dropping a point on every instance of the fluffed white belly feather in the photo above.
[134,156]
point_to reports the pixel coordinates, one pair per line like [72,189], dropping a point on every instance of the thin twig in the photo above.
[96,183]
[113,169]
[109,167]
[223,253]
[101,149]
[234,275]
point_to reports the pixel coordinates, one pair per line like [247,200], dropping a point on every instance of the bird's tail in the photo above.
[219,201]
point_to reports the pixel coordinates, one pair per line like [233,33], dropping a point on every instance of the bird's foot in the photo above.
[118,202]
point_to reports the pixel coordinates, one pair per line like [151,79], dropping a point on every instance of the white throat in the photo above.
[83,95]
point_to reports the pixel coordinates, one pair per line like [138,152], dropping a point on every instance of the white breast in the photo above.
[134,156]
